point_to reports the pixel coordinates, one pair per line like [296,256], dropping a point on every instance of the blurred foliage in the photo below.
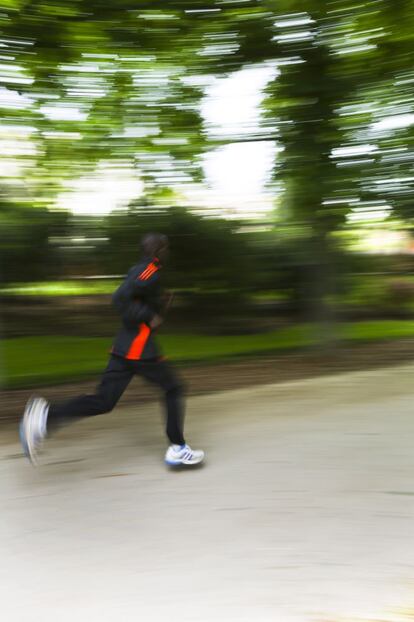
[26,251]
[381,296]
[333,107]
[87,83]
[338,107]
[205,253]
[95,82]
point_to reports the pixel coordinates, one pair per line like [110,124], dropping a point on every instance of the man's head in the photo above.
[155,245]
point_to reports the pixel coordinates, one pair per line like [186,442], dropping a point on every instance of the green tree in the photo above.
[207,255]
[27,252]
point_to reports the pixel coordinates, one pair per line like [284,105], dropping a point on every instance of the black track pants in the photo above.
[114,381]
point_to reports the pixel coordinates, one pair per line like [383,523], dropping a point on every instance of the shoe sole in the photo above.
[183,464]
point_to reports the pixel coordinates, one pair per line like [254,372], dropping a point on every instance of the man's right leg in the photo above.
[41,418]
[114,381]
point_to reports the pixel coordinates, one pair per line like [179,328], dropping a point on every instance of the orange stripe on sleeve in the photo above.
[142,275]
[149,271]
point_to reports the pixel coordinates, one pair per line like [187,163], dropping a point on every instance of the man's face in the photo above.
[163,252]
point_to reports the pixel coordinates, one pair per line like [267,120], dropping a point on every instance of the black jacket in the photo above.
[138,300]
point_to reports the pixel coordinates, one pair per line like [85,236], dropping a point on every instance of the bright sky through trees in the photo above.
[235,174]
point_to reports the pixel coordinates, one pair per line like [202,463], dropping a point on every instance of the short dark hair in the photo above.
[152,242]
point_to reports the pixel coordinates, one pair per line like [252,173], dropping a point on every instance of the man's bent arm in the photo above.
[131,309]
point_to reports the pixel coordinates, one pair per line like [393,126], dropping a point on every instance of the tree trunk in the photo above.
[320,285]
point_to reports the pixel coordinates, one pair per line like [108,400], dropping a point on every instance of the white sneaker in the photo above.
[33,427]
[178,455]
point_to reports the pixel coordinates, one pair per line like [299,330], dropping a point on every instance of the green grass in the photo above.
[378,330]
[30,361]
[62,288]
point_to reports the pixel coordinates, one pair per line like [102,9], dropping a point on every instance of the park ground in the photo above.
[302,513]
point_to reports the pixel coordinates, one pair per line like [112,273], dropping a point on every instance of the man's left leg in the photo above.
[160,373]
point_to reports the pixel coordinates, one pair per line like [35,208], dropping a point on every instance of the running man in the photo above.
[141,305]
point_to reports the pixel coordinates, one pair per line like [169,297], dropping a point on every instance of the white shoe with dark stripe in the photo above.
[33,427]
[183,455]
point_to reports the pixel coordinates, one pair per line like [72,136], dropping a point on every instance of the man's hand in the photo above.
[156,322]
